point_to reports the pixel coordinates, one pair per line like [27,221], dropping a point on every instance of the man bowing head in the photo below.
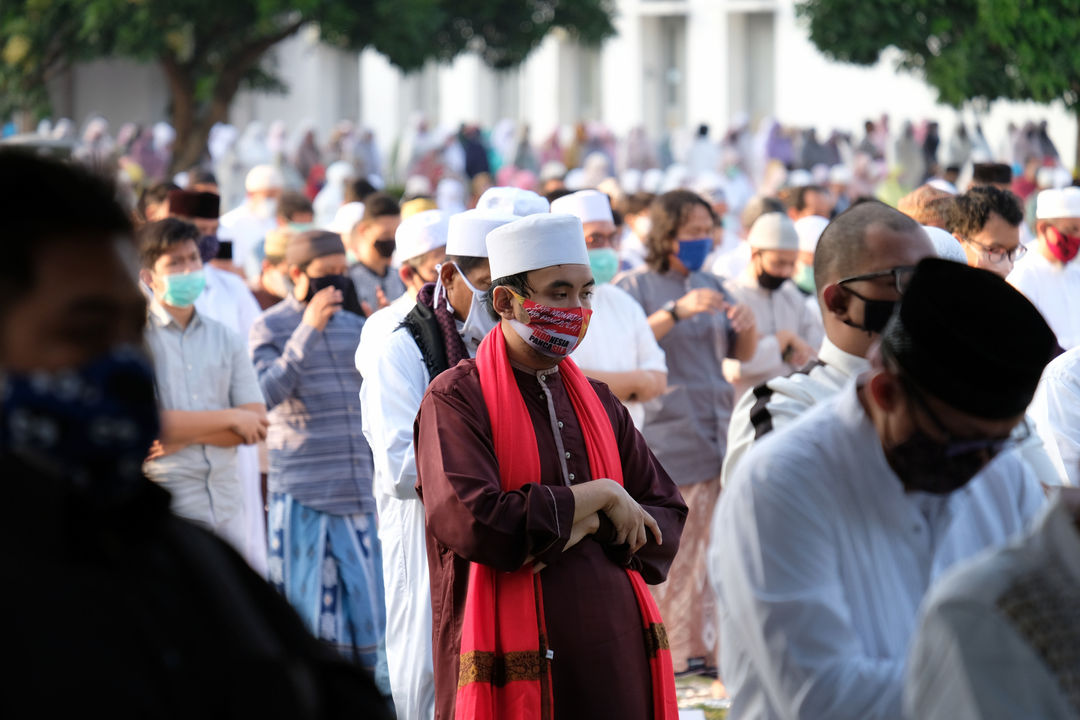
[546,513]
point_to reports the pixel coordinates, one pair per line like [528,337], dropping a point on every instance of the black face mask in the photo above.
[343,283]
[769,281]
[385,248]
[924,464]
[208,248]
[876,314]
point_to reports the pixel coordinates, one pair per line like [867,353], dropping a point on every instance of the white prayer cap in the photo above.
[710,186]
[840,174]
[1044,178]
[943,185]
[677,177]
[552,170]
[1062,178]
[651,180]
[339,172]
[809,230]
[535,242]
[264,177]
[468,231]
[512,201]
[417,185]
[585,205]
[1064,203]
[630,180]
[799,178]
[346,218]
[420,233]
[376,181]
[773,231]
[820,174]
[575,179]
[945,245]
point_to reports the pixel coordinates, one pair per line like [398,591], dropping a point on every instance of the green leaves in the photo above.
[966,49]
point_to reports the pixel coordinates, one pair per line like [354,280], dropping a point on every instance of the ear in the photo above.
[295,273]
[885,390]
[405,272]
[503,302]
[447,274]
[836,300]
[147,277]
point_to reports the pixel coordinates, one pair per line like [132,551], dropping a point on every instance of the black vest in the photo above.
[424,328]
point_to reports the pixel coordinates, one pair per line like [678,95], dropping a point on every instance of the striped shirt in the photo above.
[318,453]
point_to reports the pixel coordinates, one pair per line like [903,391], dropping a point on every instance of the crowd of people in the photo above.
[542,427]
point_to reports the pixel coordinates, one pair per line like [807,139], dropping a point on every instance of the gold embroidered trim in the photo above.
[656,639]
[486,667]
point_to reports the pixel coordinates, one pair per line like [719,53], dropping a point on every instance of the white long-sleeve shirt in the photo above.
[1055,290]
[999,637]
[619,339]
[1056,411]
[780,401]
[782,309]
[820,559]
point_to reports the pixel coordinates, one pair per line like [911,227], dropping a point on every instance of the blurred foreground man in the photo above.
[134,612]
[1000,637]
[830,532]
[546,512]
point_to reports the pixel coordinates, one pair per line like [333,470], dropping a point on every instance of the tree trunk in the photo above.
[1076,152]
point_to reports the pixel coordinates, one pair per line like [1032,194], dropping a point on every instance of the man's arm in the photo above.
[773,561]
[632,385]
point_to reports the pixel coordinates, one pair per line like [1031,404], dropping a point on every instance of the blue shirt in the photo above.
[318,453]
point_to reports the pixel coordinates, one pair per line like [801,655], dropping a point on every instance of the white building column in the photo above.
[622,70]
[460,84]
[707,65]
[539,88]
[381,99]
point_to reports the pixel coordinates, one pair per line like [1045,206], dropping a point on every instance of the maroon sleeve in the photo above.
[458,482]
[649,484]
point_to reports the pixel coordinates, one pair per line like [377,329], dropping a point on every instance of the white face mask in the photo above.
[478,323]
[263,208]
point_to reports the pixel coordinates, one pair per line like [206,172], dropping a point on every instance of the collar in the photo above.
[158,313]
[538,374]
[850,365]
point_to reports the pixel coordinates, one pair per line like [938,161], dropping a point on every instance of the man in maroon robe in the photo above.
[579,532]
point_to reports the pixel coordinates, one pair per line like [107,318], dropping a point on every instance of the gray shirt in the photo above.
[686,427]
[204,366]
[367,281]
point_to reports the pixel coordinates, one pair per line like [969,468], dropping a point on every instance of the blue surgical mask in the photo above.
[692,253]
[92,423]
[182,289]
[604,263]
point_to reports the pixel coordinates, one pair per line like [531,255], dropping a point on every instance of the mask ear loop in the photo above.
[440,291]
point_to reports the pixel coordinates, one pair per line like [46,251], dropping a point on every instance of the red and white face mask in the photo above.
[551,331]
[1063,247]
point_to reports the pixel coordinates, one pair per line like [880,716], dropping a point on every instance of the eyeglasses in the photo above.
[901,277]
[600,239]
[955,447]
[996,256]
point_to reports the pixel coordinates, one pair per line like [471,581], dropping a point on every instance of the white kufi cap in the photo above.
[420,233]
[809,230]
[585,205]
[535,242]
[945,245]
[773,231]
[512,201]
[468,231]
[264,177]
[1064,203]
[346,218]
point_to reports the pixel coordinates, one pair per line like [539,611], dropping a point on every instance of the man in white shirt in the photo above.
[396,375]
[620,348]
[1049,274]
[830,532]
[857,263]
[421,250]
[1000,636]
[789,332]
[246,226]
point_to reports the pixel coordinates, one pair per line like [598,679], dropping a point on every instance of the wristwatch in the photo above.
[669,307]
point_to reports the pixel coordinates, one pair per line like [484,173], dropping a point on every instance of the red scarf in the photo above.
[504,670]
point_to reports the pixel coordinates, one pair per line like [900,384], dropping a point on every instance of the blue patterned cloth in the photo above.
[329,567]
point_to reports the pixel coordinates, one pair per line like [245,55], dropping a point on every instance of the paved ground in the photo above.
[703,693]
